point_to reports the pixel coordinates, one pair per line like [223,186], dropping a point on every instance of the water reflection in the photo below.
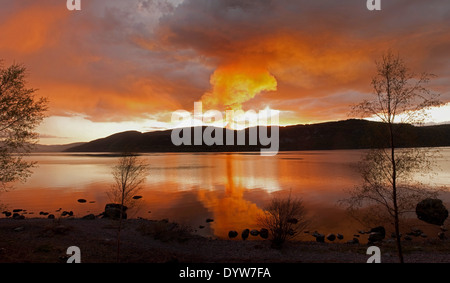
[232,189]
[230,209]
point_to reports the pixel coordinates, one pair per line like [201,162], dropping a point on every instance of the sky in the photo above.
[128,65]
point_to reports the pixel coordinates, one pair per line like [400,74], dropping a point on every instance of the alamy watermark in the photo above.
[208,128]
[374,5]
[75,254]
[75,5]
[375,253]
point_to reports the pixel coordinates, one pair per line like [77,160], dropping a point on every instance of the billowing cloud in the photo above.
[117,61]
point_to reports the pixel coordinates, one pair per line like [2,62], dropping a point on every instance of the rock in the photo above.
[137,197]
[51,216]
[254,233]
[380,230]
[340,236]
[232,234]
[377,234]
[81,200]
[264,233]
[7,213]
[375,237]
[432,211]
[415,232]
[209,220]
[320,238]
[64,213]
[245,234]
[331,237]
[113,211]
[201,227]
[17,210]
[315,234]
[89,217]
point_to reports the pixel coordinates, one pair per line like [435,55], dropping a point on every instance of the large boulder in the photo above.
[377,234]
[331,237]
[113,211]
[232,234]
[380,230]
[320,238]
[375,237]
[245,234]
[264,233]
[432,211]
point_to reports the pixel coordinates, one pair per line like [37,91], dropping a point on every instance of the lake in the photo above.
[230,188]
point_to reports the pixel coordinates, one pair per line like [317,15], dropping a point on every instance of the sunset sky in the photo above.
[127,65]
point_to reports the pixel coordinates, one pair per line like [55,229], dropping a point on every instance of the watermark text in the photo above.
[208,129]
[73,5]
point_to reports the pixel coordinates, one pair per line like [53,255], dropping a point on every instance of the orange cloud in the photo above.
[33,28]
[235,85]
[117,61]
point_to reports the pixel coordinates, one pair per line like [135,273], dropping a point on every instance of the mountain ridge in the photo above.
[347,134]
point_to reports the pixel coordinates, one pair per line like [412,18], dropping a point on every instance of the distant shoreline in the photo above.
[255,152]
[340,135]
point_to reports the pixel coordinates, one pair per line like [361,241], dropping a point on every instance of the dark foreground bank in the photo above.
[148,241]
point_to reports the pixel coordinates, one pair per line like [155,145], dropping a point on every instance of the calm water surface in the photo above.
[232,189]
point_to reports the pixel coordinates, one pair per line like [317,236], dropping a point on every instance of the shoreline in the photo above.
[39,240]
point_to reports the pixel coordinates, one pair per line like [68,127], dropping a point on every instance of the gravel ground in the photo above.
[146,241]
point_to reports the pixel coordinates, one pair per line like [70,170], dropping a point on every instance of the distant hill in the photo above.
[349,134]
[55,148]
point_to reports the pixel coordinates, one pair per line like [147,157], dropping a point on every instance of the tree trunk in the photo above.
[394,196]
[120,224]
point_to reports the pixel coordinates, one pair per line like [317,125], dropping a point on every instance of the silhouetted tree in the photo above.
[20,113]
[400,97]
[129,174]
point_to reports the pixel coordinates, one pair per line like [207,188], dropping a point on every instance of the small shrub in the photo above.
[284,218]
